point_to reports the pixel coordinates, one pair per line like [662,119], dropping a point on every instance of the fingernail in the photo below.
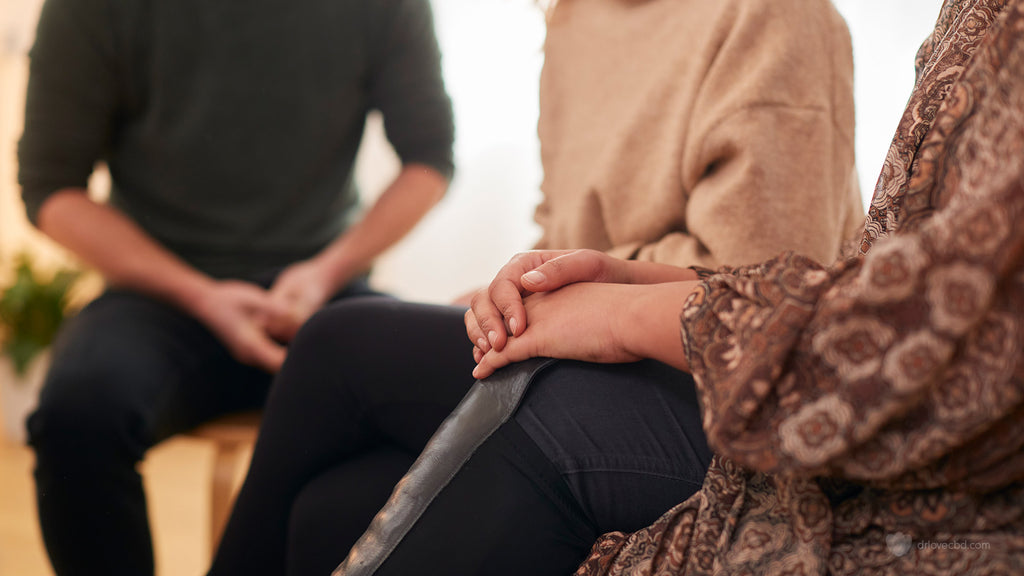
[481,344]
[512,325]
[492,336]
[534,277]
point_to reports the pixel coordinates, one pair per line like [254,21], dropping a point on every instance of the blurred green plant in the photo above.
[32,308]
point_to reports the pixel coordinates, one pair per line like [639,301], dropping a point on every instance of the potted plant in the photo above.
[32,308]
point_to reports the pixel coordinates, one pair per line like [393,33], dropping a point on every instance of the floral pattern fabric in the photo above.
[869,417]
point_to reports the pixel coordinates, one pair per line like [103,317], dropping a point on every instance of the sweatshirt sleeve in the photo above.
[768,165]
[71,100]
[903,366]
[406,85]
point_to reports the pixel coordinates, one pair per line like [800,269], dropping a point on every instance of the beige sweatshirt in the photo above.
[698,132]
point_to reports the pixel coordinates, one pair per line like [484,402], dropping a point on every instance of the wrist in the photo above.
[191,293]
[650,325]
[333,269]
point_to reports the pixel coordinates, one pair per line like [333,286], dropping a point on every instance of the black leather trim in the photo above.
[487,405]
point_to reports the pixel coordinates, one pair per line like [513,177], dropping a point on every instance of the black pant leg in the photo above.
[507,512]
[593,448]
[127,372]
[333,510]
[364,375]
[627,438]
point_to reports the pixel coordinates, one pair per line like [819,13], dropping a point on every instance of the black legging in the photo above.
[365,386]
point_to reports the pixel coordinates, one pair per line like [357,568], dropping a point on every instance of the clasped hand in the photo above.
[572,304]
[255,323]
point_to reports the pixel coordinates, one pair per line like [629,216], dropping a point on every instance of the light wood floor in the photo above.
[176,475]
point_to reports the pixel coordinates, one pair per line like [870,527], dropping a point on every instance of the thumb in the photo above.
[576,266]
[270,306]
[264,353]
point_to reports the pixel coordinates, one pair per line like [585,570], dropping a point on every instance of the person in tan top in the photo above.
[698,133]
[688,132]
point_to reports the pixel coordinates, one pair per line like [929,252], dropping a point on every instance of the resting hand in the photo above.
[301,289]
[497,311]
[605,323]
[237,313]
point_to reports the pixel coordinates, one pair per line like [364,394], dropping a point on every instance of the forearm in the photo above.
[415,190]
[121,251]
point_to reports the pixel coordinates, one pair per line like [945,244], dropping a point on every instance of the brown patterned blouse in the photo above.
[869,417]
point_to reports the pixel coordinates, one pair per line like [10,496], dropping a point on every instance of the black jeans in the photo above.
[593,448]
[127,372]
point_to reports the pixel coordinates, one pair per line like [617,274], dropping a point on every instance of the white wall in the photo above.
[492,59]
[886,35]
[17,22]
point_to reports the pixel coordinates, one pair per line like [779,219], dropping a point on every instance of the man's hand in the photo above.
[301,289]
[238,313]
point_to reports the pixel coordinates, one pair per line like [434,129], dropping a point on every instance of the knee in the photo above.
[86,408]
[349,325]
[326,324]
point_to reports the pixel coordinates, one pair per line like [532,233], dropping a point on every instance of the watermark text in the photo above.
[899,544]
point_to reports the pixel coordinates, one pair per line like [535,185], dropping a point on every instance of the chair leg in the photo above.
[225,466]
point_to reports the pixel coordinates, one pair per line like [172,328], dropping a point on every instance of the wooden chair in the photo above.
[233,437]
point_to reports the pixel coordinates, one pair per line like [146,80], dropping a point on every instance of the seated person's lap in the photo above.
[626,438]
[592,448]
[129,360]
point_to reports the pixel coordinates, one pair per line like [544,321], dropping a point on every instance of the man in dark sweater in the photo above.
[230,131]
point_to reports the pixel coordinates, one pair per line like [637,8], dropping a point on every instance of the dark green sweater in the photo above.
[230,127]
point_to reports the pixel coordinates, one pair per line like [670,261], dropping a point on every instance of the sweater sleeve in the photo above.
[768,163]
[901,367]
[71,100]
[406,85]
